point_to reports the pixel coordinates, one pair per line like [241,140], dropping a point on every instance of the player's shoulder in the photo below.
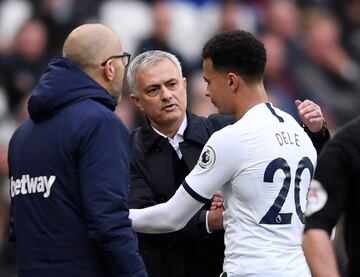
[286,117]
[224,133]
[230,142]
[290,122]
[225,138]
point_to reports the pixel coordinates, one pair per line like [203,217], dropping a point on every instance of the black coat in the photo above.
[190,251]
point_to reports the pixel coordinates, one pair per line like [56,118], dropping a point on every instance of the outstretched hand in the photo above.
[310,114]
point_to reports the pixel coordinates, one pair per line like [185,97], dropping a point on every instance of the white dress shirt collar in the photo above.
[178,138]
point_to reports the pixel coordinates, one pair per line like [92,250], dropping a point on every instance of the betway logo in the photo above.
[28,185]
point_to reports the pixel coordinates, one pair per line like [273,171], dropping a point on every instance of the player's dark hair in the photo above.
[237,51]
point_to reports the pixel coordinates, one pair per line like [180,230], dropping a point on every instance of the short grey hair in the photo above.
[144,60]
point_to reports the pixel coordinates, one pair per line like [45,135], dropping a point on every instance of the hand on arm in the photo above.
[215,219]
[319,253]
[214,216]
[310,114]
[217,201]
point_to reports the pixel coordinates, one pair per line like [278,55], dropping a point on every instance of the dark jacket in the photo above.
[191,251]
[338,173]
[69,181]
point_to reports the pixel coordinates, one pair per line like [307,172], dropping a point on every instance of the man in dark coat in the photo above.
[165,150]
[68,166]
[335,193]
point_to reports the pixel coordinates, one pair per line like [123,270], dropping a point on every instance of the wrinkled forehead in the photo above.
[157,72]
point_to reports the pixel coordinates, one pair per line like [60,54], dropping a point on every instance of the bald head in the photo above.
[91,44]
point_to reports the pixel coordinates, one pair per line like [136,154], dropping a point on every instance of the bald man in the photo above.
[69,166]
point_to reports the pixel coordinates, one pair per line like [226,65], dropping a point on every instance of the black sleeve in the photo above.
[320,138]
[332,172]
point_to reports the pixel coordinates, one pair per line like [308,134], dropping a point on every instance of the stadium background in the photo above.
[313,51]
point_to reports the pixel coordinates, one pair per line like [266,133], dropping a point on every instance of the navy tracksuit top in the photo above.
[68,169]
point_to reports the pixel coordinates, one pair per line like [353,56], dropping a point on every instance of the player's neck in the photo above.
[250,97]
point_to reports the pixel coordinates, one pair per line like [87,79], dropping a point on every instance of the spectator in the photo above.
[326,72]
[61,16]
[280,86]
[348,12]
[282,19]
[159,38]
[24,65]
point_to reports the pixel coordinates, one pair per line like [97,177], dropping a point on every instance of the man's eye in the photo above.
[172,85]
[151,91]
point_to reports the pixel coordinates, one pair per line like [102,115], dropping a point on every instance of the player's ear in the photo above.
[136,101]
[233,81]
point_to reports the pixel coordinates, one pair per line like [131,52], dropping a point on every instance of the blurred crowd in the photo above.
[313,49]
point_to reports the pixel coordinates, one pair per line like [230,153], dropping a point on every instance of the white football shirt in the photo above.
[263,164]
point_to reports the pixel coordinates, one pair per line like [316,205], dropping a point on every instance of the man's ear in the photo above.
[109,70]
[185,82]
[136,101]
[233,81]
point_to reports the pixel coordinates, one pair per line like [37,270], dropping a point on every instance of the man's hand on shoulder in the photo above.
[310,114]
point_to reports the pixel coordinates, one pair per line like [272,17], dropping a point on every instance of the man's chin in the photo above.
[173,116]
[224,111]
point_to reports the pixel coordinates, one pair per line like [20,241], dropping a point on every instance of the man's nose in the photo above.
[166,93]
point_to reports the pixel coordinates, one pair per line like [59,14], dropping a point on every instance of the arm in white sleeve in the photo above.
[166,217]
[213,170]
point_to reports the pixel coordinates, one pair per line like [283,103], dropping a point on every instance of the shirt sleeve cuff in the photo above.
[323,134]
[207,223]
